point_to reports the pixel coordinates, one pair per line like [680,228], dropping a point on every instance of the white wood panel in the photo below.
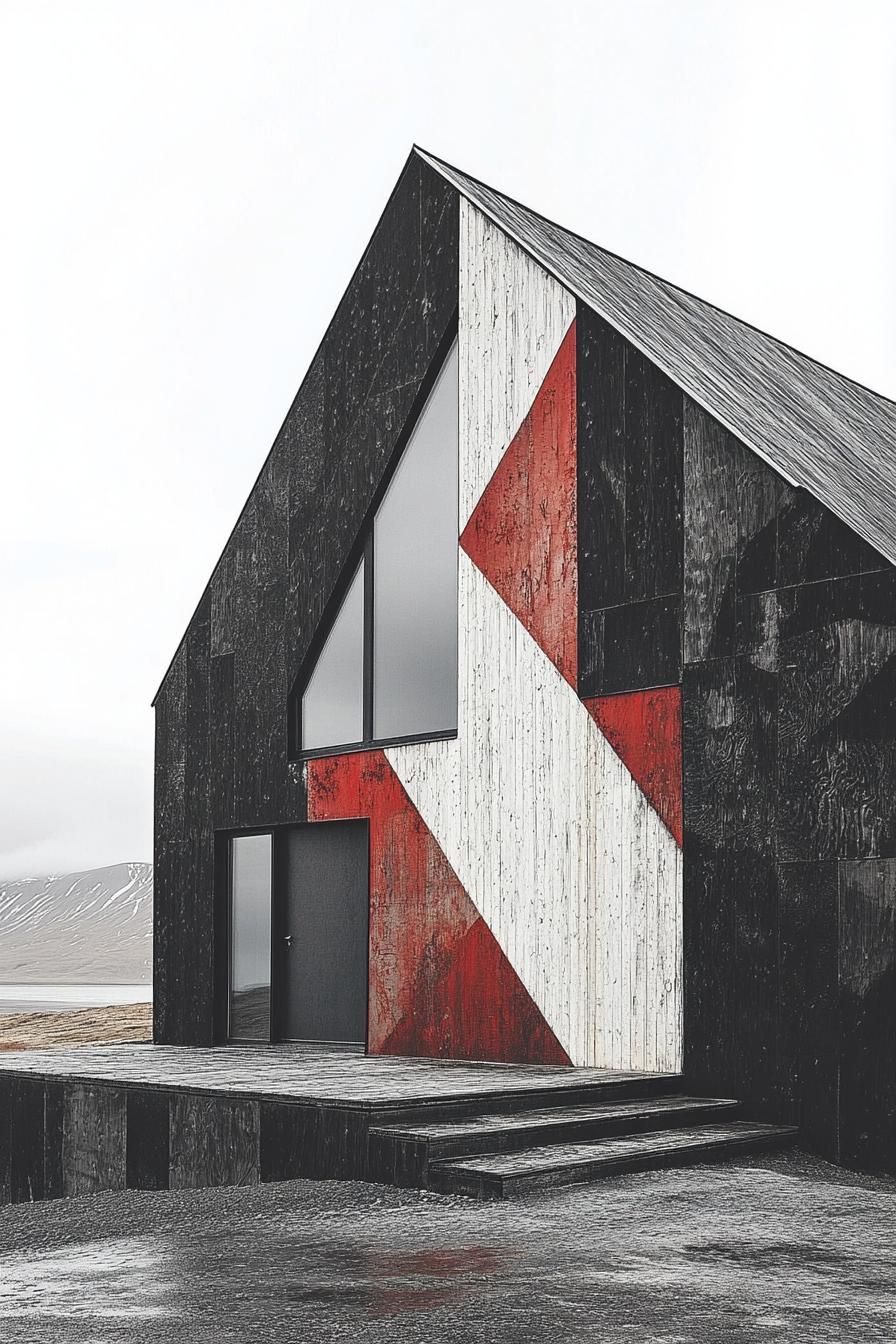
[567,862]
[512,319]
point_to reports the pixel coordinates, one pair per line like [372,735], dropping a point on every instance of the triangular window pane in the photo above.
[388,670]
[333,703]
[415,576]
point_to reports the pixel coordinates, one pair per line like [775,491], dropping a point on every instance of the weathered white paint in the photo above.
[569,865]
[512,318]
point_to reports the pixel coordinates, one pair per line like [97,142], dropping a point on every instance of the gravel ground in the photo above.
[773,1249]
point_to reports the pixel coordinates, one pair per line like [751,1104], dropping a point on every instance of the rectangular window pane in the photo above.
[415,576]
[333,703]
[250,938]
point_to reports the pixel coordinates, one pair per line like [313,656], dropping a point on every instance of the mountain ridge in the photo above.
[87,927]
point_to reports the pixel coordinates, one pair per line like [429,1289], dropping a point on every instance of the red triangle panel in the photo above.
[644,729]
[476,1008]
[439,983]
[522,533]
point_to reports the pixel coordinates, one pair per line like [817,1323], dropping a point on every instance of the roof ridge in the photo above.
[821,430]
[441,164]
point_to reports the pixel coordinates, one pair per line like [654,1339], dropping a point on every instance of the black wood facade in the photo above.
[789,787]
[630,518]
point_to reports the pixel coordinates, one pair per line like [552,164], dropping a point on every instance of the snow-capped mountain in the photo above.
[82,928]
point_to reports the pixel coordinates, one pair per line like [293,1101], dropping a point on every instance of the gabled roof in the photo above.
[817,428]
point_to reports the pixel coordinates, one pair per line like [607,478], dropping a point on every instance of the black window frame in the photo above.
[362,554]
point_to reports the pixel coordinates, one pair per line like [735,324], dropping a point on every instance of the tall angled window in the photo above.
[333,703]
[415,576]
[388,668]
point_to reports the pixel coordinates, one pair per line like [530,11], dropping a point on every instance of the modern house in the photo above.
[541,708]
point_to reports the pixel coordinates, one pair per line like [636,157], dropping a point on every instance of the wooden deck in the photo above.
[82,1120]
[299,1074]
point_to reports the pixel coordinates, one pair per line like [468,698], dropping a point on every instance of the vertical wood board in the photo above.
[94,1139]
[213,1142]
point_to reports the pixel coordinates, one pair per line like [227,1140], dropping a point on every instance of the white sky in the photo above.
[186,189]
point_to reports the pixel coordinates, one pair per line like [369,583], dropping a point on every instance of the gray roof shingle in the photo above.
[819,429]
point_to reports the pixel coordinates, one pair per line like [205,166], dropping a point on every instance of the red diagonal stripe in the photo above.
[522,533]
[439,983]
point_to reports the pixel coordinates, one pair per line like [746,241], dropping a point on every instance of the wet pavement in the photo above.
[774,1249]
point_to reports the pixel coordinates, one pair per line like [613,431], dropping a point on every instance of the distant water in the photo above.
[60,998]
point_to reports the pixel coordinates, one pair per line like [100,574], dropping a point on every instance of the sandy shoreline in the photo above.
[83,1026]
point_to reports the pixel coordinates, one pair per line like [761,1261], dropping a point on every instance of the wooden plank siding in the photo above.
[94,1143]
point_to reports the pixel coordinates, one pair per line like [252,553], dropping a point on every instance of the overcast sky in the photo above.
[186,189]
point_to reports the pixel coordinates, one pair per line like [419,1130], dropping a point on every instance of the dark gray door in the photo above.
[325,932]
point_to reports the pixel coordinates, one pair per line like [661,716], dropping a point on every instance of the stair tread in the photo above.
[474,1125]
[595,1152]
[588,1091]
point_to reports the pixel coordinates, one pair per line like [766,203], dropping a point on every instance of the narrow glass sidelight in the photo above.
[333,703]
[415,576]
[250,937]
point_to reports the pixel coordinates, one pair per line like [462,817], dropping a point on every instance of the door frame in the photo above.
[223,933]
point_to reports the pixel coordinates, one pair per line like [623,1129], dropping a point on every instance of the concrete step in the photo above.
[415,1146]
[545,1166]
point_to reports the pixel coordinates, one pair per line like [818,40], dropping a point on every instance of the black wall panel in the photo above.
[30,1139]
[214,1141]
[221,763]
[26,1175]
[813,544]
[730,882]
[867,967]
[809,1012]
[630,647]
[290,1140]
[221,714]
[838,720]
[94,1140]
[730,535]
[194,910]
[789,740]
[600,364]
[653,480]
[710,1004]
[630,509]
[54,1115]
[170,754]
[147,1154]
[5,1137]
